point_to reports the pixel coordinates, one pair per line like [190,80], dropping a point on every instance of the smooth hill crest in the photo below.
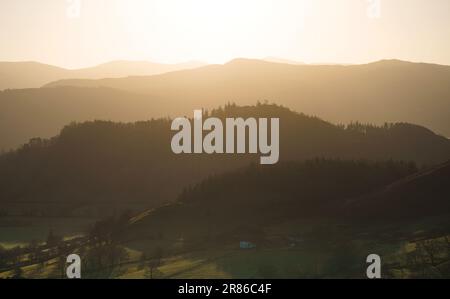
[18,75]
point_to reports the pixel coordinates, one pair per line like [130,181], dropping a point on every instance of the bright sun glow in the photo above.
[210,30]
[215,31]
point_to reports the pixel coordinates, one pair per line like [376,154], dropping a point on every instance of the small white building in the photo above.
[246,245]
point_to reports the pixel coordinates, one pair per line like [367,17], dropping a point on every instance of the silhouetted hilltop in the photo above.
[133,162]
[30,113]
[388,90]
[422,194]
[385,91]
[257,197]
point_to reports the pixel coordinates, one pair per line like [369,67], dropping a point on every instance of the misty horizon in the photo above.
[200,63]
[347,32]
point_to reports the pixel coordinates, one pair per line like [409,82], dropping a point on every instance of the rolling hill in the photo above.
[389,90]
[107,162]
[243,203]
[14,75]
[30,113]
[386,91]
[421,194]
[17,75]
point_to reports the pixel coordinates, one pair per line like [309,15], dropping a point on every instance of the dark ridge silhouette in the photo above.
[107,162]
[388,90]
[258,196]
[425,193]
[30,113]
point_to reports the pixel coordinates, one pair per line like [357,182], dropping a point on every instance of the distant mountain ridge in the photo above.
[388,90]
[18,75]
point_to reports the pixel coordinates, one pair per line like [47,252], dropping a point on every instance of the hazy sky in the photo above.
[64,33]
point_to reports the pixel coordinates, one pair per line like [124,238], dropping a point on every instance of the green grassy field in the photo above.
[19,231]
[327,250]
[257,263]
